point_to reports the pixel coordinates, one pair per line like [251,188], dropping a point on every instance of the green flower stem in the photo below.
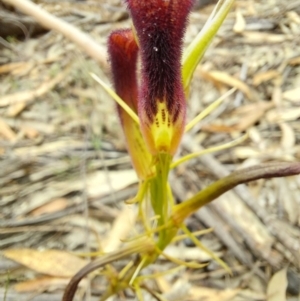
[159,191]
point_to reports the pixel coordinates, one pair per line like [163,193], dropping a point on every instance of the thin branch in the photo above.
[47,20]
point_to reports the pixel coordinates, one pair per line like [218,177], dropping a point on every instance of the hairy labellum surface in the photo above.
[160,26]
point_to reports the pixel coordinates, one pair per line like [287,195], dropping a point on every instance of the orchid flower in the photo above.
[152,104]
[160,26]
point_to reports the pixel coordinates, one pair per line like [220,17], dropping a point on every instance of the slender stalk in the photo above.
[138,247]
[219,187]
[159,192]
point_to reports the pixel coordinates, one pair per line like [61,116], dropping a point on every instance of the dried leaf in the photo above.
[178,291]
[189,254]
[277,96]
[276,290]
[240,23]
[293,16]
[30,132]
[288,200]
[250,114]
[263,37]
[97,182]
[288,138]
[231,81]
[13,67]
[208,294]
[250,108]
[294,61]
[6,131]
[50,262]
[163,284]
[16,109]
[218,128]
[292,95]
[122,226]
[41,284]
[278,115]
[53,206]
[264,77]
[245,152]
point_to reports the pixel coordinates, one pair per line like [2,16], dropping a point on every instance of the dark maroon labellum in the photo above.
[160,26]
